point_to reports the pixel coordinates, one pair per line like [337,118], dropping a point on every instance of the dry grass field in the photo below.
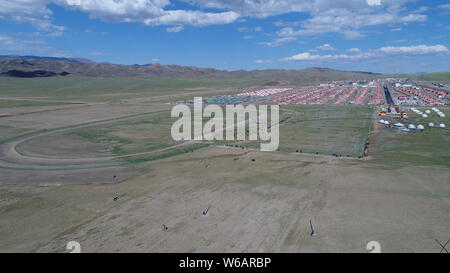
[106,173]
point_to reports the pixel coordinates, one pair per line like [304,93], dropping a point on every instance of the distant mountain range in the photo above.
[74,60]
[35,66]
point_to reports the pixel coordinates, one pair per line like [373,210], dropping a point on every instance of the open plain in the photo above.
[93,161]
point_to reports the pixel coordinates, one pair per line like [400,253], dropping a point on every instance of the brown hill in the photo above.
[83,67]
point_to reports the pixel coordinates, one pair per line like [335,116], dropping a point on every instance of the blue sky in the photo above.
[365,35]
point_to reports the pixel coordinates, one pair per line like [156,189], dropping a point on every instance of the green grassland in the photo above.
[329,130]
[338,130]
[26,103]
[267,198]
[440,76]
[326,130]
[121,138]
[137,135]
[166,153]
[428,147]
[98,89]
[7,132]
[140,135]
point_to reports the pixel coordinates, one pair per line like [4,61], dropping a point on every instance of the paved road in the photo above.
[388,96]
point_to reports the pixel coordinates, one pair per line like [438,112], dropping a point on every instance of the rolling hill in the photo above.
[34,66]
[440,77]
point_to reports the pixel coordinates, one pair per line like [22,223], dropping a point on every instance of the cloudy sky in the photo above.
[388,36]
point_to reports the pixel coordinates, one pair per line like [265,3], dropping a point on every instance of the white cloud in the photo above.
[324,47]
[414,50]
[445,6]
[175,29]
[243,29]
[148,12]
[354,50]
[287,32]
[381,52]
[374,2]
[306,56]
[40,34]
[348,22]
[34,12]
[249,37]
[248,29]
[399,41]
[421,9]
[12,45]
[278,41]
[265,8]
[191,17]
[263,61]
[347,17]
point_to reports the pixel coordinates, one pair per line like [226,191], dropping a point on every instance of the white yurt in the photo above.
[431,124]
[424,115]
[428,111]
[442,125]
[420,127]
[411,126]
[382,121]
